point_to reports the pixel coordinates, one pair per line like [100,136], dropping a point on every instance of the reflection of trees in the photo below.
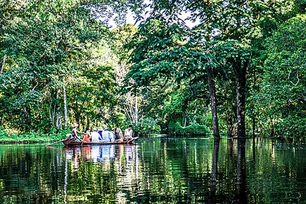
[241,174]
[23,173]
[179,170]
[105,172]
[214,172]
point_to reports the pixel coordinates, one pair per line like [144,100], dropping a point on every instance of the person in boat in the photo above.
[128,133]
[104,137]
[118,135]
[100,130]
[86,136]
[95,136]
[112,136]
[107,136]
[74,133]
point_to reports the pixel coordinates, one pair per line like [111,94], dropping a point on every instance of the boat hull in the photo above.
[74,143]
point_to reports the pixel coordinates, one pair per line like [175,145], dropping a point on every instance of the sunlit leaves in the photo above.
[48,46]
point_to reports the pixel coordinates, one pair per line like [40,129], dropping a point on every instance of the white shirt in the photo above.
[108,136]
[128,133]
[95,137]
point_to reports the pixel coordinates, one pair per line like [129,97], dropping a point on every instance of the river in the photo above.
[155,170]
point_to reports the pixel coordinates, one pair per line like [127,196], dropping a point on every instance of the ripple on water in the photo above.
[155,171]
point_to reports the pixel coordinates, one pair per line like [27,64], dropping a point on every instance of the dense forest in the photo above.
[220,67]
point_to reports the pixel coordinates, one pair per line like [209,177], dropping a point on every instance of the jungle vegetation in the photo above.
[228,67]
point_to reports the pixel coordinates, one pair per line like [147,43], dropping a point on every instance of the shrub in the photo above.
[147,126]
[193,129]
[292,127]
[3,132]
[31,137]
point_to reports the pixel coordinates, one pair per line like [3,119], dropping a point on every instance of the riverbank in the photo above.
[30,137]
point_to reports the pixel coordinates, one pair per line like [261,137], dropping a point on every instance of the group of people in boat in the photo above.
[101,134]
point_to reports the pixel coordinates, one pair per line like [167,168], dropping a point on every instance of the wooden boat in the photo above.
[80,143]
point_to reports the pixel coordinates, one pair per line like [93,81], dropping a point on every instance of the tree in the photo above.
[163,56]
[48,46]
[283,90]
[129,100]
[226,31]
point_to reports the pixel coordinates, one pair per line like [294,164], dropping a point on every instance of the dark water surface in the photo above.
[155,171]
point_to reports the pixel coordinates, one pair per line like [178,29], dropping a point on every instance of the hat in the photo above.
[75,125]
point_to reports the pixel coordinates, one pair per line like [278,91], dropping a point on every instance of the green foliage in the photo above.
[56,49]
[175,107]
[122,36]
[51,45]
[156,53]
[192,129]
[31,137]
[3,132]
[283,86]
[147,126]
[166,52]
[292,126]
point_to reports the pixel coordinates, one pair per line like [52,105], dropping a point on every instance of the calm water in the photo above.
[155,171]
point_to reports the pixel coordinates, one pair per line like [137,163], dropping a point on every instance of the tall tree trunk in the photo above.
[213,103]
[58,121]
[53,108]
[253,106]
[28,119]
[136,109]
[240,108]
[253,121]
[50,114]
[3,63]
[241,94]
[65,108]
[87,123]
[77,113]
[230,125]
[272,127]
[185,119]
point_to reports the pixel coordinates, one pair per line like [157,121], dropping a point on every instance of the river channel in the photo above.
[155,170]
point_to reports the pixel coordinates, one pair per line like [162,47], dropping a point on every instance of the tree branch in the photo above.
[297,76]
[3,63]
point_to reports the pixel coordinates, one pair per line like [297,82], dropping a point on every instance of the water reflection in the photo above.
[214,172]
[98,153]
[155,171]
[241,173]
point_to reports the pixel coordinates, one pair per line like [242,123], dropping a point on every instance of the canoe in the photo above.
[76,143]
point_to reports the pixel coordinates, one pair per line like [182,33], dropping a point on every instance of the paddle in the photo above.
[78,138]
[56,142]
